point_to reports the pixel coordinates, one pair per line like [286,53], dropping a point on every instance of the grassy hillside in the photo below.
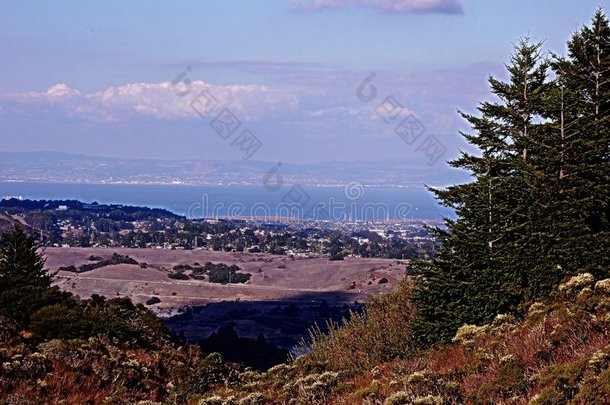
[559,352]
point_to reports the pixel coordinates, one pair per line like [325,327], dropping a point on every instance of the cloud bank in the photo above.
[387,6]
[163,101]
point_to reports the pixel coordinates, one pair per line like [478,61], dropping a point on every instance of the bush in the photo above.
[109,261]
[380,333]
[398,398]
[576,283]
[221,273]
[178,276]
[18,304]
[60,321]
[153,301]
[467,333]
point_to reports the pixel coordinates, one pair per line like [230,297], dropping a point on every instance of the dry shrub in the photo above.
[379,334]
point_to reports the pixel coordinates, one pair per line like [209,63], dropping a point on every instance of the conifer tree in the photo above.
[473,277]
[580,111]
[20,263]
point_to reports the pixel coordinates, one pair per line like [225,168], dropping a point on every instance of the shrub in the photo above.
[221,273]
[18,304]
[60,321]
[178,276]
[576,283]
[108,261]
[153,301]
[603,286]
[428,400]
[213,400]
[560,382]
[398,398]
[467,333]
[380,333]
[256,398]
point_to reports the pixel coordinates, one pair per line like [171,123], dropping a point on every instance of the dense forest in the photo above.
[513,308]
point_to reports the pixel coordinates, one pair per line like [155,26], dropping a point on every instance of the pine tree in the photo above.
[580,111]
[473,276]
[20,263]
[538,207]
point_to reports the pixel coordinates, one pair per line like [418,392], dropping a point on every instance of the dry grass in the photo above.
[560,353]
[377,335]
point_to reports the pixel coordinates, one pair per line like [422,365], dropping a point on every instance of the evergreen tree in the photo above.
[538,207]
[20,263]
[473,276]
[25,285]
[580,111]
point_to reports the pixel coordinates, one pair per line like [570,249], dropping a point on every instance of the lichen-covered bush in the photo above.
[398,398]
[603,286]
[576,283]
[467,333]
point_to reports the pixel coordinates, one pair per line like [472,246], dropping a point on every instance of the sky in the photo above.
[290,81]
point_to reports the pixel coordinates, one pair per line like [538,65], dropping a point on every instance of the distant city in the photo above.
[69,168]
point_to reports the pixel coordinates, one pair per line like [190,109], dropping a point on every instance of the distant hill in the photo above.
[70,168]
[8,222]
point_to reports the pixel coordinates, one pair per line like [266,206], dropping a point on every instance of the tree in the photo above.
[25,285]
[473,276]
[580,114]
[20,263]
[537,209]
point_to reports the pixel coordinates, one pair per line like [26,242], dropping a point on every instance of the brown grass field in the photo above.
[301,278]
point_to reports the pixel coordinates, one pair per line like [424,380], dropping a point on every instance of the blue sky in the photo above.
[287,70]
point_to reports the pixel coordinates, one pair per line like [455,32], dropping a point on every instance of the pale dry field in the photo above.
[302,279]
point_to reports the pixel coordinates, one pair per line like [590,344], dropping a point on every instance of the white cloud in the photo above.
[389,6]
[163,101]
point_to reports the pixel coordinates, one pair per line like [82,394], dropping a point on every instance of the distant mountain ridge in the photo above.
[73,168]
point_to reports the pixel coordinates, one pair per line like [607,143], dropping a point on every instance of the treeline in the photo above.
[99,262]
[117,211]
[537,209]
[28,299]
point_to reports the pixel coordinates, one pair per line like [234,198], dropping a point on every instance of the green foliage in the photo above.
[59,321]
[108,261]
[19,303]
[178,275]
[153,301]
[560,382]
[20,263]
[221,273]
[537,209]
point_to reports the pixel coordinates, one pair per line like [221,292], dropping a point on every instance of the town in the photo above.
[77,224]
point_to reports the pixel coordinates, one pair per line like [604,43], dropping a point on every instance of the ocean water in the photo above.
[353,202]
